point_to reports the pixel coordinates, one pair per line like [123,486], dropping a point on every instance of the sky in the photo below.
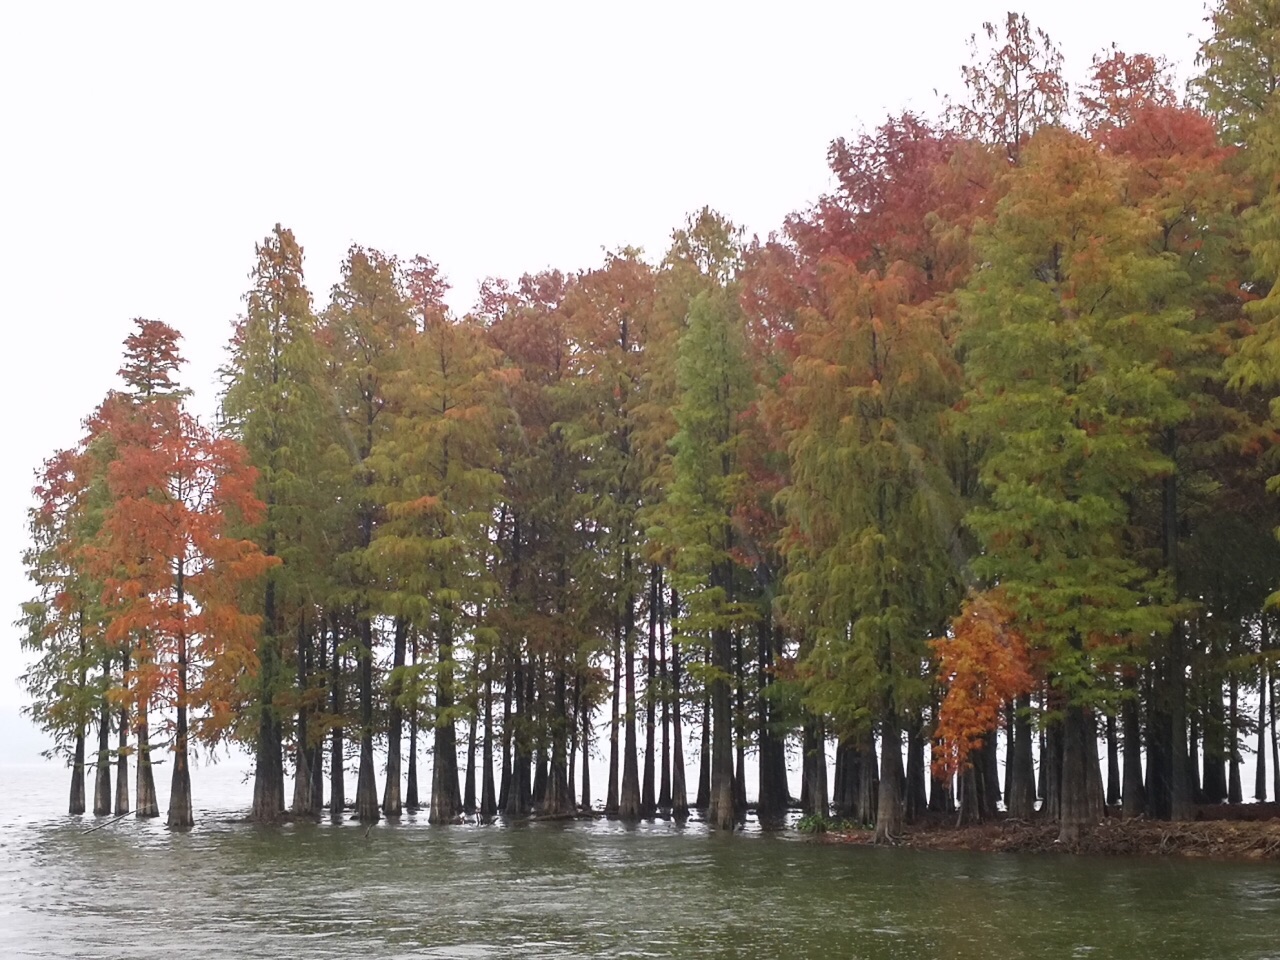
[145,148]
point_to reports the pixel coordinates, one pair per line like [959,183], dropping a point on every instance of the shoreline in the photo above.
[1244,832]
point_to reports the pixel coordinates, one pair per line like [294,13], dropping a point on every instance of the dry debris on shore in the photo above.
[1239,832]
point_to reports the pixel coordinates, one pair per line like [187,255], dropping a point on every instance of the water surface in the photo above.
[229,890]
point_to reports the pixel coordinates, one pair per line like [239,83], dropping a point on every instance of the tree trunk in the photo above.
[1020,797]
[1132,796]
[337,755]
[268,772]
[304,799]
[648,795]
[629,798]
[917,800]
[488,799]
[679,795]
[180,814]
[102,779]
[1260,770]
[1113,762]
[122,756]
[889,807]
[664,681]
[611,797]
[473,732]
[392,800]
[720,808]
[444,767]
[412,800]
[367,809]
[1080,801]
[814,764]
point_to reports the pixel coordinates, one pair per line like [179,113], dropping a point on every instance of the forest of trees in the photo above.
[975,454]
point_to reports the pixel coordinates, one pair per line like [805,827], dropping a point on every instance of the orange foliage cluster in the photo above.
[985,665]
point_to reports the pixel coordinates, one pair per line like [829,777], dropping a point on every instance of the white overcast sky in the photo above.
[145,148]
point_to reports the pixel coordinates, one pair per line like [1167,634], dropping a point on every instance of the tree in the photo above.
[170,570]
[272,404]
[1064,326]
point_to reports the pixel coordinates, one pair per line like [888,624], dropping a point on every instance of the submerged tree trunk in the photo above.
[488,798]
[102,778]
[392,800]
[412,800]
[337,755]
[611,797]
[629,798]
[367,808]
[679,793]
[444,768]
[648,796]
[268,767]
[180,813]
[122,756]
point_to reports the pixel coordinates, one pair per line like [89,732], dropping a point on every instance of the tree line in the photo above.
[977,450]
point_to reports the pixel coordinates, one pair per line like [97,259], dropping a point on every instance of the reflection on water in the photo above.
[229,890]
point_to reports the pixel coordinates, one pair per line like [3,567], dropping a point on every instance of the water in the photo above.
[231,890]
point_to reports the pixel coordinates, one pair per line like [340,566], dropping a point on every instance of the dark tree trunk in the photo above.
[917,800]
[1260,770]
[268,767]
[1132,796]
[392,802]
[773,796]
[1020,798]
[337,755]
[445,795]
[1081,794]
[488,798]
[664,673]
[703,797]
[473,733]
[648,796]
[889,807]
[615,759]
[504,783]
[102,779]
[558,800]
[720,809]
[1215,747]
[122,758]
[180,813]
[1113,762]
[679,795]
[629,798]
[814,768]
[305,800]
[367,809]
[584,712]
[1235,790]
[412,799]
[739,729]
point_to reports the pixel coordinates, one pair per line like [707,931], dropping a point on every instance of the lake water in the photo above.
[587,889]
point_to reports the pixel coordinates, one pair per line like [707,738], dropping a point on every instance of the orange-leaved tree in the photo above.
[171,571]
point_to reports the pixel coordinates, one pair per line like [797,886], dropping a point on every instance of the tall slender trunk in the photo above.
[392,799]
[1113,762]
[180,814]
[611,798]
[648,797]
[102,779]
[1260,769]
[814,768]
[1020,798]
[629,798]
[337,755]
[445,795]
[412,801]
[145,804]
[122,752]
[584,712]
[1132,796]
[679,793]
[703,796]
[664,685]
[304,801]
[488,799]
[367,809]
[1235,791]
[268,774]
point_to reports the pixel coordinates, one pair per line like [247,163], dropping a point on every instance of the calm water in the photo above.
[224,890]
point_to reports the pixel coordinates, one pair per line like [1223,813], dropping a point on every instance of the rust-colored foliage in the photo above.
[984,665]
